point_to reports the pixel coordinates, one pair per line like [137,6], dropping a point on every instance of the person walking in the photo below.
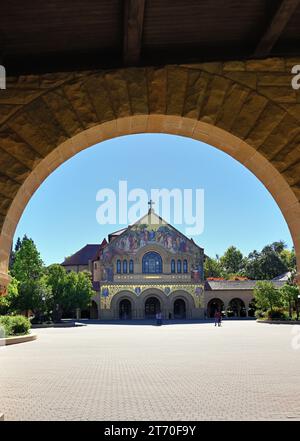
[218,318]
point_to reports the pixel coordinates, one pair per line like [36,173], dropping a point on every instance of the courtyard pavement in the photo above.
[192,371]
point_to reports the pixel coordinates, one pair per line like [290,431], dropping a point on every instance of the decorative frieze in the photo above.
[108,291]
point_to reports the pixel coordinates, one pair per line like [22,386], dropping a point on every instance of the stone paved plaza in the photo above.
[243,370]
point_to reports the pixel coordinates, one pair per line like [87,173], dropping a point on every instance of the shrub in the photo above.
[259,314]
[276,314]
[5,324]
[15,325]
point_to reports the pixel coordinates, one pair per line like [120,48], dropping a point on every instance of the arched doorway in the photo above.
[125,310]
[236,308]
[213,306]
[152,306]
[179,309]
[94,310]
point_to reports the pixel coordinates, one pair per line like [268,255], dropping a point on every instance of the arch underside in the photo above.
[246,109]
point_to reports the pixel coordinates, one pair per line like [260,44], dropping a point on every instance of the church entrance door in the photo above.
[152,306]
[179,309]
[125,310]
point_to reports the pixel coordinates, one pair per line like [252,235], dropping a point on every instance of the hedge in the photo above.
[14,325]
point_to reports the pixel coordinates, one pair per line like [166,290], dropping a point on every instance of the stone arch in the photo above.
[214,304]
[187,297]
[237,306]
[118,298]
[156,248]
[153,292]
[230,106]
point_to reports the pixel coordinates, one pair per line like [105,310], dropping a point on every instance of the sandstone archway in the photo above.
[247,109]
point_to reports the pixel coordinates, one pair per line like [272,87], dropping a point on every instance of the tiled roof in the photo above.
[212,285]
[82,256]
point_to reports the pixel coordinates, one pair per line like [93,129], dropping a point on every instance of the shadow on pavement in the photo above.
[145,322]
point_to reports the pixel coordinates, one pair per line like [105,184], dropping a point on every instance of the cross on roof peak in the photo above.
[151,203]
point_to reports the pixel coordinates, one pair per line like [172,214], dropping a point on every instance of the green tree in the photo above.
[212,268]
[78,291]
[34,296]
[277,246]
[68,302]
[289,259]
[13,253]
[84,290]
[266,295]
[232,262]
[271,264]
[9,302]
[28,264]
[289,295]
[267,264]
[252,266]
[28,269]
[56,279]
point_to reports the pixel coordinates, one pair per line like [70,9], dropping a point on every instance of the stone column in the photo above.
[226,304]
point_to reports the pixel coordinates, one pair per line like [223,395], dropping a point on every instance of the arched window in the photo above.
[185,266]
[131,266]
[152,263]
[173,266]
[118,266]
[179,266]
[124,266]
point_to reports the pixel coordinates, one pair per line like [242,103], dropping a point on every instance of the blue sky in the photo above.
[238,210]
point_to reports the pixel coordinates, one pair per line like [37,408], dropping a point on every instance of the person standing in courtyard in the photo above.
[218,318]
[158,318]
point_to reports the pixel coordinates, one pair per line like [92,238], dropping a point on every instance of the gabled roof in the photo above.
[82,257]
[116,233]
[212,285]
[151,218]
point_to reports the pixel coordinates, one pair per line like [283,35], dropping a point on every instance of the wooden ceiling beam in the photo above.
[275,28]
[133,31]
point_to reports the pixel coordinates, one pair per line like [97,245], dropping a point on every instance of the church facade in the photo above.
[151,267]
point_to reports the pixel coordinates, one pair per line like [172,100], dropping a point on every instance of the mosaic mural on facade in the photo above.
[140,235]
